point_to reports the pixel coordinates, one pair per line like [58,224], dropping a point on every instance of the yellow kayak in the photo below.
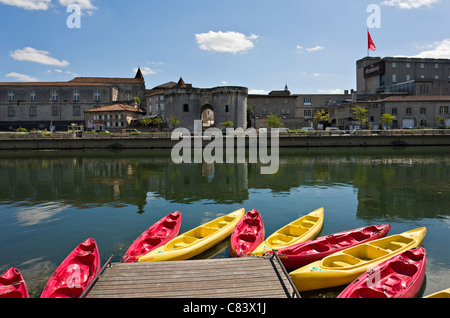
[195,241]
[442,294]
[305,228]
[345,266]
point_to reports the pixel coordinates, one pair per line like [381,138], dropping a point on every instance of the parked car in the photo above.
[308,129]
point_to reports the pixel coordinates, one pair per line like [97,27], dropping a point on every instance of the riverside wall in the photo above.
[163,141]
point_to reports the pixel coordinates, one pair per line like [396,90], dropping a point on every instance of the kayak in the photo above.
[247,235]
[155,236]
[195,241]
[398,277]
[12,284]
[305,228]
[75,273]
[301,254]
[345,266]
[441,294]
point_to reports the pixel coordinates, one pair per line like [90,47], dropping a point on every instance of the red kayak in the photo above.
[304,253]
[12,284]
[399,277]
[247,235]
[155,236]
[75,273]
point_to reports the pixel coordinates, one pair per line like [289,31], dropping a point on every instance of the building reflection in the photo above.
[402,183]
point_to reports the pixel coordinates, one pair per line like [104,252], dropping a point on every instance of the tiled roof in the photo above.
[411,98]
[116,108]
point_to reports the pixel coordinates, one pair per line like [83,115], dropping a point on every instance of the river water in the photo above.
[51,201]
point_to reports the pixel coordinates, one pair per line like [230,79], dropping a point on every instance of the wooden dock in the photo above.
[247,277]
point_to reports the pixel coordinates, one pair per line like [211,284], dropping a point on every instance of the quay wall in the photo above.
[163,141]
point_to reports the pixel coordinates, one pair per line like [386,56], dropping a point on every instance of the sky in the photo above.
[311,46]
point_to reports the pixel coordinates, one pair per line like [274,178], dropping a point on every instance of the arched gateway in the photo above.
[212,105]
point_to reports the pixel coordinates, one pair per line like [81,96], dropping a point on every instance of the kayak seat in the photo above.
[252,222]
[366,252]
[359,236]
[369,293]
[247,238]
[202,232]
[151,242]
[320,247]
[404,269]
[392,243]
[291,230]
[181,242]
[341,260]
[169,224]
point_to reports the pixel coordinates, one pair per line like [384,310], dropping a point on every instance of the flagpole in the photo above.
[368,51]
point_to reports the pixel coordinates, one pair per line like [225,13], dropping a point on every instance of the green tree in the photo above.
[274,121]
[173,121]
[361,115]
[440,120]
[226,124]
[321,116]
[386,119]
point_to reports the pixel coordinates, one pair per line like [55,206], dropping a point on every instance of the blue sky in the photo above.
[311,46]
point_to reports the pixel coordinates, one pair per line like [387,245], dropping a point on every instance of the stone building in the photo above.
[42,105]
[390,75]
[212,106]
[112,118]
[296,110]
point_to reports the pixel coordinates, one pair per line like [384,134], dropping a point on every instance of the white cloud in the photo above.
[85,5]
[258,92]
[145,71]
[228,42]
[29,4]
[311,49]
[331,91]
[32,55]
[438,50]
[410,4]
[316,48]
[22,77]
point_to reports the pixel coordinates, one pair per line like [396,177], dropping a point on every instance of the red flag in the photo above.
[372,46]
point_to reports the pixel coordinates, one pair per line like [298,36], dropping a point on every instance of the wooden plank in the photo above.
[248,277]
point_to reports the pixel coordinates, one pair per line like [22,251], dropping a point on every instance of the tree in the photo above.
[386,119]
[274,121]
[173,121]
[321,116]
[226,124]
[361,115]
[441,121]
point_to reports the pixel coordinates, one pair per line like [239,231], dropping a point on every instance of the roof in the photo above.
[53,84]
[115,108]
[412,98]
[107,80]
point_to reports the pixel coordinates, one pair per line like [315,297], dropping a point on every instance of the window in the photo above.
[127,97]
[76,111]
[408,111]
[423,111]
[436,66]
[97,96]
[394,111]
[227,108]
[422,76]
[423,123]
[32,96]
[422,65]
[76,96]
[33,111]
[128,87]
[408,65]
[306,100]
[55,111]
[443,110]
[186,108]
[436,76]
[394,78]
[54,96]
[11,111]
[285,101]
[10,96]
[307,113]
[394,65]
[408,77]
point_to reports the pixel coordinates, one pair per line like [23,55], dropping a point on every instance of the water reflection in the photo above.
[388,182]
